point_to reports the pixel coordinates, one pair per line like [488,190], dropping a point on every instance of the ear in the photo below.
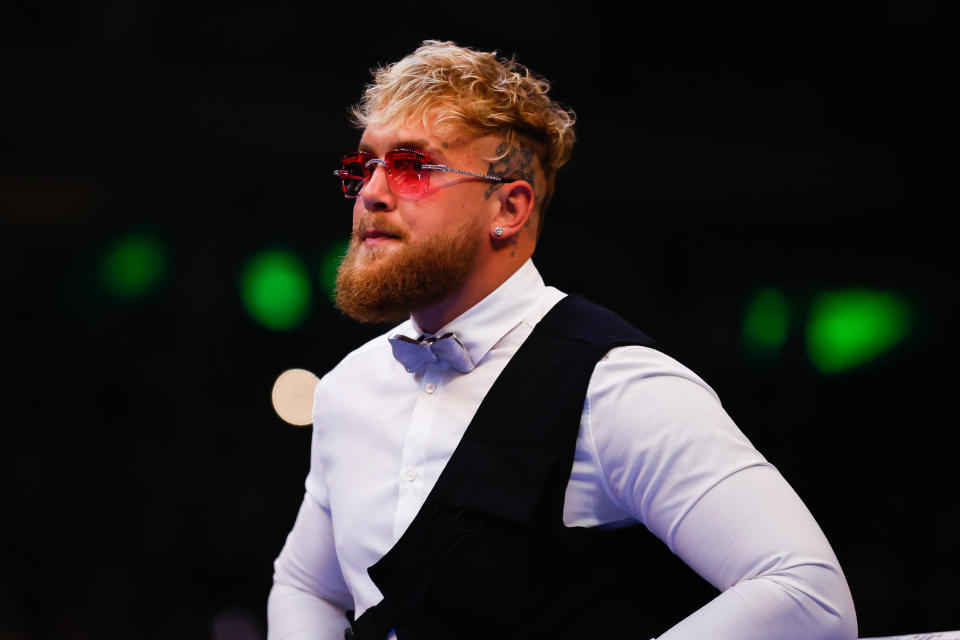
[515,202]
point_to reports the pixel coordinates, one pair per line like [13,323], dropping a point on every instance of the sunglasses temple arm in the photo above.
[443,167]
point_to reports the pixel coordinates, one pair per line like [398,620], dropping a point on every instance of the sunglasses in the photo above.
[408,171]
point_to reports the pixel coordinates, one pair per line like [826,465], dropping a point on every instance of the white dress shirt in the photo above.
[654,446]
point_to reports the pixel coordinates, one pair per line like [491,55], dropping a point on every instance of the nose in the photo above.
[376,193]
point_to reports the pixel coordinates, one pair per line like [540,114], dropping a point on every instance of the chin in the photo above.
[371,252]
[384,283]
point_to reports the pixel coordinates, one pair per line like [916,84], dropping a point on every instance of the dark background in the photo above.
[147,483]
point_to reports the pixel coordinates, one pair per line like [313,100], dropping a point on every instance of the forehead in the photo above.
[379,138]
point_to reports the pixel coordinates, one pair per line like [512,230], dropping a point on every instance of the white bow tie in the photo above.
[413,354]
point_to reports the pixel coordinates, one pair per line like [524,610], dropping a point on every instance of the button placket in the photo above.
[410,476]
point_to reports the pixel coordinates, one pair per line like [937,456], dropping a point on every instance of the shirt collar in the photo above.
[485,323]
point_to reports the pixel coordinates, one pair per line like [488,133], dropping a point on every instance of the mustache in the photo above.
[367,222]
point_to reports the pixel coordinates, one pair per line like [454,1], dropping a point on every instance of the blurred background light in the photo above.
[765,326]
[134,265]
[850,328]
[275,289]
[329,264]
[292,396]
[236,625]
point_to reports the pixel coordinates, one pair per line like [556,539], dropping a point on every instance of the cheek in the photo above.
[427,221]
[357,212]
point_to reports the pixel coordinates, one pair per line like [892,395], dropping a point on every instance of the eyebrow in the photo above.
[420,145]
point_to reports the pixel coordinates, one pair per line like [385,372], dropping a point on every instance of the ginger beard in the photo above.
[386,285]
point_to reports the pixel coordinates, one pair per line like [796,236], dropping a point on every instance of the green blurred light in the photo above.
[134,265]
[765,325]
[849,328]
[329,264]
[275,289]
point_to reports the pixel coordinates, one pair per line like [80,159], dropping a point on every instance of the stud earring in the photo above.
[498,231]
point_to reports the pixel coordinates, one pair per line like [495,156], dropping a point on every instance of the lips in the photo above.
[376,236]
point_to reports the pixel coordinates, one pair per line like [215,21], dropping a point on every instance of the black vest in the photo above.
[488,555]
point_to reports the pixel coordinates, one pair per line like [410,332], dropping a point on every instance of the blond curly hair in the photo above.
[478,92]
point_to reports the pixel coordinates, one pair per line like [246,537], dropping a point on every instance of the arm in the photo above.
[751,537]
[309,595]
[672,459]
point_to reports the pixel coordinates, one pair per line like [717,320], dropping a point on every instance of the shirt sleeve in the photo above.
[309,595]
[308,598]
[674,460]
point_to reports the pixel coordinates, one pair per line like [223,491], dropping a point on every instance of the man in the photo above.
[475,468]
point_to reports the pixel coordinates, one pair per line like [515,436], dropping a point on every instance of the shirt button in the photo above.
[430,388]
[410,475]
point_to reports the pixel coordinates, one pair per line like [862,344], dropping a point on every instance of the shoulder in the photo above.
[639,390]
[365,364]
[636,364]
[640,398]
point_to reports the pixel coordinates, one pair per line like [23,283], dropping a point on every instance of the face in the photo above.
[411,252]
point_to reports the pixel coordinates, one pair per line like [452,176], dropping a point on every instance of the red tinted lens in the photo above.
[354,172]
[405,171]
